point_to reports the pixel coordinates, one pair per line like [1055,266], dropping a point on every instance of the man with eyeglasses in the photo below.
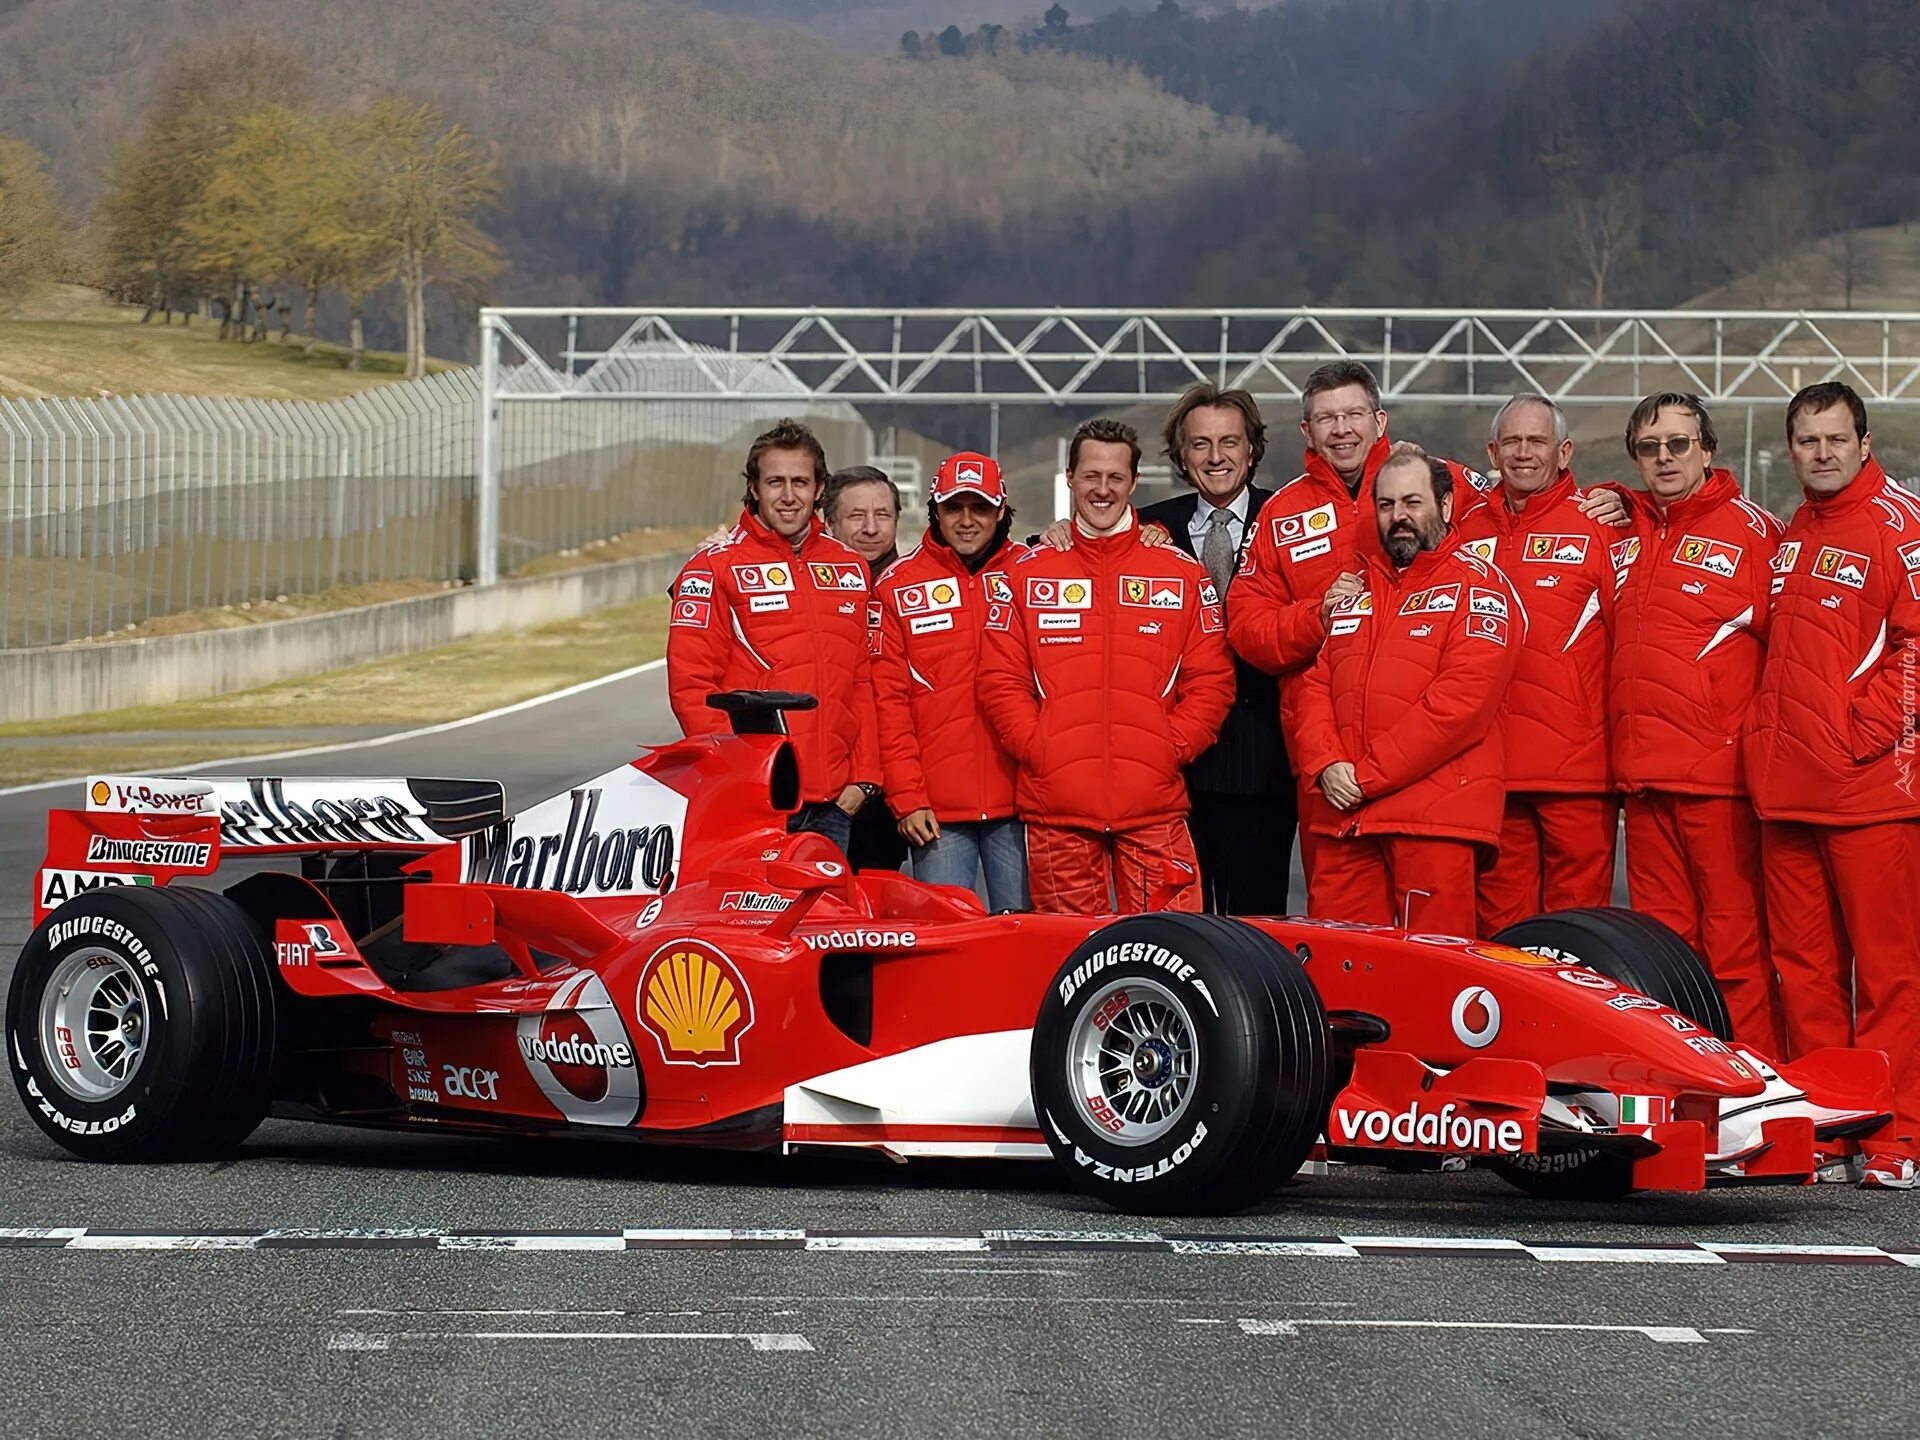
[1830,751]
[1314,537]
[1690,620]
[1561,821]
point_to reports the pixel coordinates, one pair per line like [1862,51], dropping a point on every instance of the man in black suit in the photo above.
[1242,787]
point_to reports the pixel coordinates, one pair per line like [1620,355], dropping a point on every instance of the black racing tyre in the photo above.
[1181,1065]
[1641,954]
[1633,949]
[141,1024]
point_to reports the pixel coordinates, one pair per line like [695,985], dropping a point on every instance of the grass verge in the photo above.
[451,683]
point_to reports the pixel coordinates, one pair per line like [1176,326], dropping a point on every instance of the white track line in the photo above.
[376,740]
[1659,1334]
[383,1340]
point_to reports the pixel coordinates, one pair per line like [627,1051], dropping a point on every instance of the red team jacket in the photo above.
[1555,722]
[936,747]
[1690,620]
[751,614]
[1306,536]
[1838,690]
[1407,689]
[1105,674]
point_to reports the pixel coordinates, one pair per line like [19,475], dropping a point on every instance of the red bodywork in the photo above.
[701,1015]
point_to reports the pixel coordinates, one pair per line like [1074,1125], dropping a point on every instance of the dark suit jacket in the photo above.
[1250,757]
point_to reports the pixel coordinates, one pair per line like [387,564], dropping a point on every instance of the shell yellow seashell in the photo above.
[693,1002]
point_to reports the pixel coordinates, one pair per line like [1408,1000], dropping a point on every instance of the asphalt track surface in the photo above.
[346,1283]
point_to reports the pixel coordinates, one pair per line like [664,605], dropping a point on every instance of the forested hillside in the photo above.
[1335,74]
[653,152]
[1674,147]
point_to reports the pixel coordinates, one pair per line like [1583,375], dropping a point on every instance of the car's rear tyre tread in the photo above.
[1642,954]
[207,1079]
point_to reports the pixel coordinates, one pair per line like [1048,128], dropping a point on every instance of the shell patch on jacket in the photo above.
[1072,593]
[1320,520]
[762,579]
[928,597]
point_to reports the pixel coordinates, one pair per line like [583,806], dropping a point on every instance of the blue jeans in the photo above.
[823,817]
[965,849]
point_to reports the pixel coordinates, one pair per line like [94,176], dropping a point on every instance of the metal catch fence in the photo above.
[117,511]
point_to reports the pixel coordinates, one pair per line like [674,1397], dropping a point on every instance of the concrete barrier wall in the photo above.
[47,682]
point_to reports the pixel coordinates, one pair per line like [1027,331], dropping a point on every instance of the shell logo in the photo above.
[1318,520]
[943,593]
[100,794]
[695,1002]
[776,575]
[1074,591]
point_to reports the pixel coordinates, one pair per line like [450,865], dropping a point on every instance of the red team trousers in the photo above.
[1093,872]
[1844,906]
[1693,863]
[1411,881]
[1556,853]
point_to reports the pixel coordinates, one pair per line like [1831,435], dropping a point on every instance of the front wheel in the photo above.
[1640,953]
[1180,1064]
[141,1024]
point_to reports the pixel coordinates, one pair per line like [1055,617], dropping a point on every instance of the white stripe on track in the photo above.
[375,740]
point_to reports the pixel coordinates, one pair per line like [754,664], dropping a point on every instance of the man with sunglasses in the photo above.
[1830,751]
[1690,620]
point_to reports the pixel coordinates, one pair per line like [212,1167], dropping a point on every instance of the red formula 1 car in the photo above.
[654,956]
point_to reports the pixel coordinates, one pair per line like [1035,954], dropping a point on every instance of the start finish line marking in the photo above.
[851,1244]
[1659,1334]
[387,1339]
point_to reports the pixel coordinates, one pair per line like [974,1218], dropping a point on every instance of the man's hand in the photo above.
[1060,535]
[1345,587]
[851,799]
[920,828]
[717,536]
[1338,785]
[1605,507]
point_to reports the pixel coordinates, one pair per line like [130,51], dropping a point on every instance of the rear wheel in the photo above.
[1180,1064]
[1642,954]
[141,1024]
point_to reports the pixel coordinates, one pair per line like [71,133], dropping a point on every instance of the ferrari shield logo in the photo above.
[1539,547]
[1134,591]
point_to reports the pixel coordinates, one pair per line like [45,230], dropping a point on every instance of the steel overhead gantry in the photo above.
[1103,358]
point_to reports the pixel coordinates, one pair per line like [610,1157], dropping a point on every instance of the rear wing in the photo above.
[279,815]
[137,830]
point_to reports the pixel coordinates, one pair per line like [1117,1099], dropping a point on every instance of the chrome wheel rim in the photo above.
[93,1024]
[1133,1060]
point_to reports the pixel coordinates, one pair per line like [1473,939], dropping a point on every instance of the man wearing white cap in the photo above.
[945,773]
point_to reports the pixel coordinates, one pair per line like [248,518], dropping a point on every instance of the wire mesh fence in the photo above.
[119,510]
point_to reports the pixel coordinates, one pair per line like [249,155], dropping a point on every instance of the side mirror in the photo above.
[810,879]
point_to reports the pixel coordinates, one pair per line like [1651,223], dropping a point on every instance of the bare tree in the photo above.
[1603,231]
